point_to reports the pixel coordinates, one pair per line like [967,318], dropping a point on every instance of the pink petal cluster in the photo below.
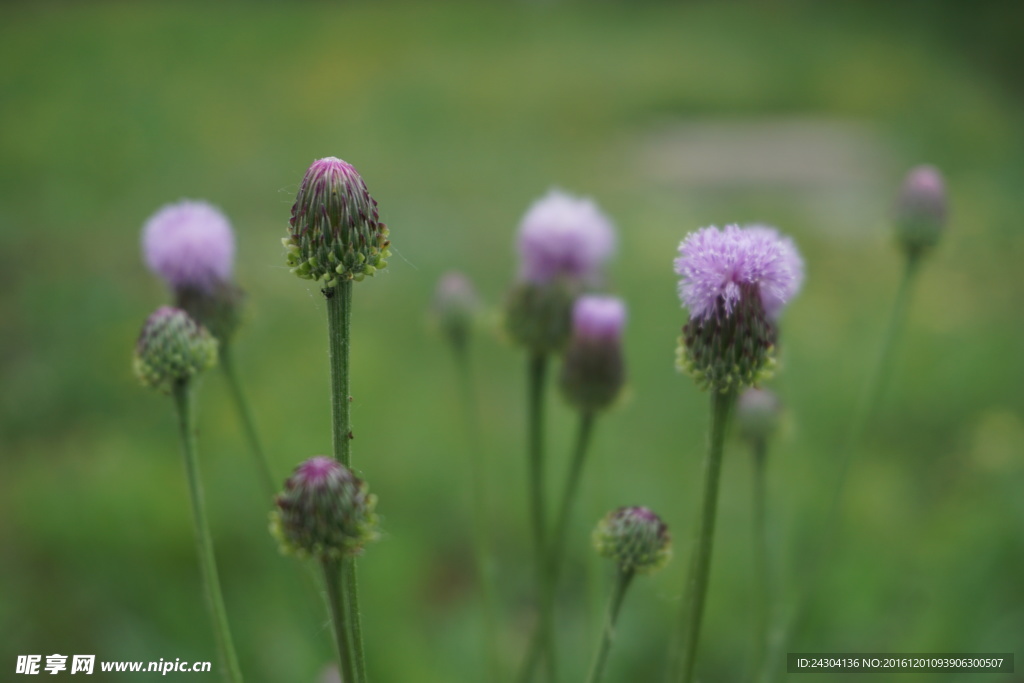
[190,245]
[715,263]
[564,236]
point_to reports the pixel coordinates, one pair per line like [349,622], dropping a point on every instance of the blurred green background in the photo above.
[802,115]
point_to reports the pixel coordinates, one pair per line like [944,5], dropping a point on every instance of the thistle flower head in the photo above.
[921,209]
[564,236]
[172,348]
[716,264]
[593,371]
[335,233]
[455,304]
[758,412]
[635,538]
[189,245]
[324,511]
[735,282]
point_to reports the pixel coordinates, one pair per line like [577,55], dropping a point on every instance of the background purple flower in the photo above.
[190,245]
[562,235]
[598,317]
[714,263]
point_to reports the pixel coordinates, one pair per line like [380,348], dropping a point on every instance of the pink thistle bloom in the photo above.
[716,264]
[190,245]
[564,236]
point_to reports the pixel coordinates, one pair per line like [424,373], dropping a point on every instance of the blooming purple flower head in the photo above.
[921,209]
[598,318]
[190,245]
[564,236]
[716,264]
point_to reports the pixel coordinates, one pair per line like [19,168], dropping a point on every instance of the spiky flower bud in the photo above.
[538,317]
[734,282]
[635,538]
[593,370]
[335,233]
[172,347]
[324,511]
[920,212]
[456,303]
[758,413]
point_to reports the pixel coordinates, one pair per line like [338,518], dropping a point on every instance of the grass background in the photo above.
[458,116]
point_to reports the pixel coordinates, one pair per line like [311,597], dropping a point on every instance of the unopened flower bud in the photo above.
[456,303]
[172,347]
[324,511]
[758,413]
[635,538]
[920,212]
[734,282]
[335,233]
[538,317]
[593,370]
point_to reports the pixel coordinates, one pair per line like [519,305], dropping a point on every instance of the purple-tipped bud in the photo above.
[758,413]
[735,282]
[324,511]
[335,233]
[562,236]
[635,538]
[190,245]
[593,371]
[171,349]
[921,209]
[456,303]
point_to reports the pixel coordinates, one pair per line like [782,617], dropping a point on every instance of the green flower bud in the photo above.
[538,316]
[324,511]
[456,304]
[593,370]
[729,351]
[758,413]
[334,233]
[219,309]
[172,347]
[920,213]
[635,538]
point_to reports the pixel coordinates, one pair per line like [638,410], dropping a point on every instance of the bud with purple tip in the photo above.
[325,511]
[456,304]
[758,413]
[335,233]
[920,212]
[734,282]
[172,348]
[635,538]
[593,370]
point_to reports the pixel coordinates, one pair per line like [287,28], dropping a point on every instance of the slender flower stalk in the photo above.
[564,243]
[172,349]
[227,366]
[919,218]
[455,305]
[335,237]
[734,282]
[639,543]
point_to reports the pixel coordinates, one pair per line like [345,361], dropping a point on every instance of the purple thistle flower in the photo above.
[190,245]
[598,318]
[716,264]
[564,236]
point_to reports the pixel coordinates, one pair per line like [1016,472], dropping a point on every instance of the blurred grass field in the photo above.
[459,116]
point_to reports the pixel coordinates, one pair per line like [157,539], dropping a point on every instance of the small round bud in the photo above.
[538,317]
[190,245]
[456,303]
[920,212]
[635,538]
[334,233]
[562,236]
[172,347]
[593,371]
[758,412]
[324,511]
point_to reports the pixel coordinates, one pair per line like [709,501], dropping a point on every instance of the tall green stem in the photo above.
[339,322]
[478,491]
[762,587]
[722,404]
[864,410]
[204,542]
[333,573]
[622,581]
[227,365]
